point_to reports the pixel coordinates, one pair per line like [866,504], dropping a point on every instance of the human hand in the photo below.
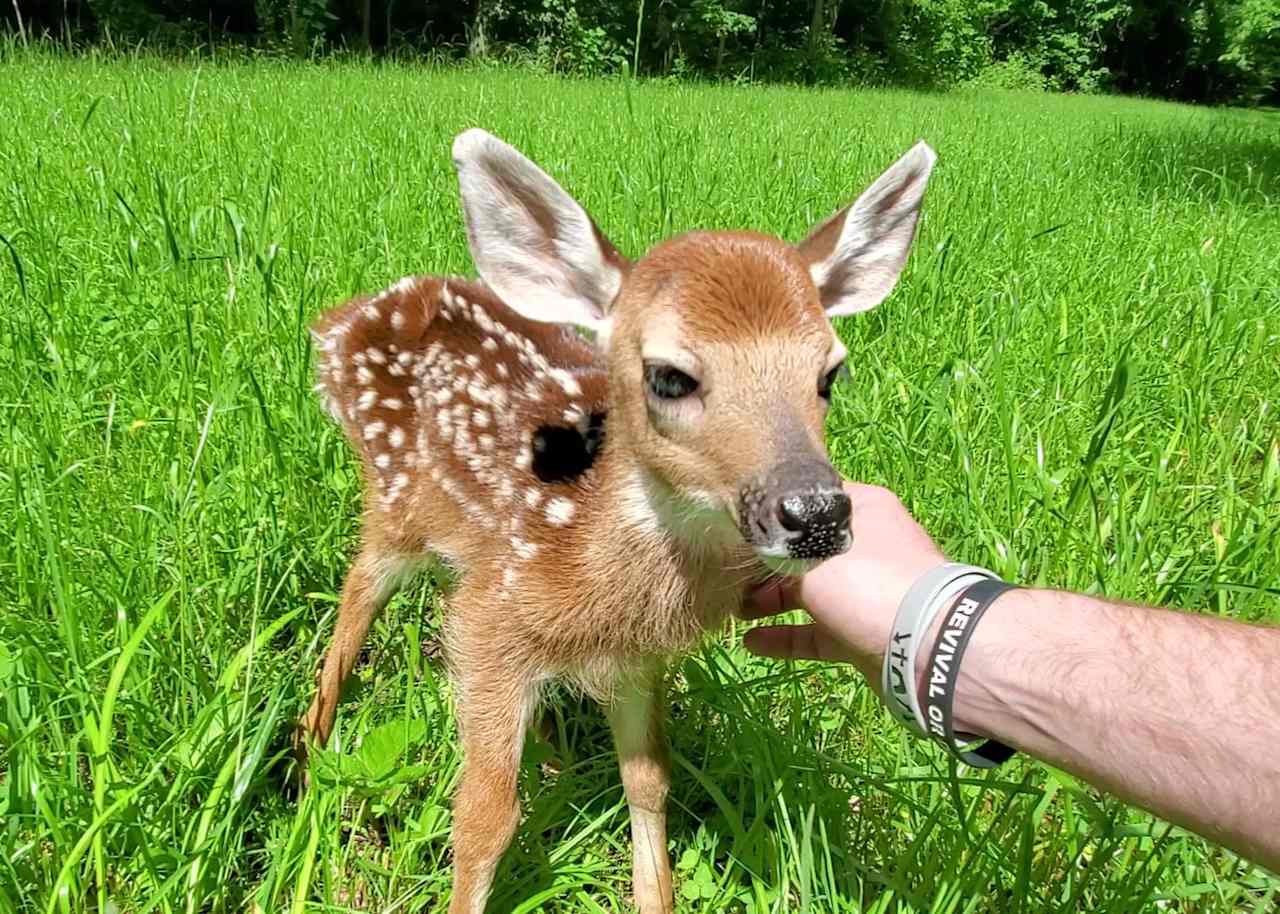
[853,597]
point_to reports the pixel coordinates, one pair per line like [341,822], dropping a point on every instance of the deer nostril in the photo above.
[841,509]
[793,512]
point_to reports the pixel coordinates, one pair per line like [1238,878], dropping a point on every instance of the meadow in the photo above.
[1075,384]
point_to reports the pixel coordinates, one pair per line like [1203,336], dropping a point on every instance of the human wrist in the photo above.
[929,597]
[986,703]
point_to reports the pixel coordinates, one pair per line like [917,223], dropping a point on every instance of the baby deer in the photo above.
[479,415]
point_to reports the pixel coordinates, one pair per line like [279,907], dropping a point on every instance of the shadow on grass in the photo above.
[1233,162]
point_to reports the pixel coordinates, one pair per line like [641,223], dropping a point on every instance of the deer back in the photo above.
[444,391]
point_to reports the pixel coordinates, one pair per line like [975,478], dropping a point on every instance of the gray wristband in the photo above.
[919,608]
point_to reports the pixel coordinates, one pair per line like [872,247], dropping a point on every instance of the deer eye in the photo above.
[666,382]
[830,378]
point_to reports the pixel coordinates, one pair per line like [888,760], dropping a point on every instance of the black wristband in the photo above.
[944,669]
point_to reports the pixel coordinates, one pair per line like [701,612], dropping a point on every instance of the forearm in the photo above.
[1176,713]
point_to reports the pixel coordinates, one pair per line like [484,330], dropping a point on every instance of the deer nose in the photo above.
[802,512]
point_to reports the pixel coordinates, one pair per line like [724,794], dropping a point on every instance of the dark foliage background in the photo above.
[1211,51]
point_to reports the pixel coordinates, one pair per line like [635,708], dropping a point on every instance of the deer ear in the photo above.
[531,242]
[856,255]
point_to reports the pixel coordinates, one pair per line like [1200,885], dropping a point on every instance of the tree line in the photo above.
[1213,51]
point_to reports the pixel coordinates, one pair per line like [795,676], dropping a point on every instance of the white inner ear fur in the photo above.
[863,265]
[531,242]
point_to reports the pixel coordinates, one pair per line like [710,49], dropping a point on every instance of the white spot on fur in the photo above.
[376,355]
[560,511]
[405,284]
[374,429]
[503,371]
[371,312]
[397,320]
[405,358]
[393,403]
[573,415]
[478,391]
[508,577]
[480,418]
[486,442]
[566,382]
[364,375]
[382,461]
[366,399]
[506,488]
[532,497]
[395,437]
[524,548]
[490,344]
[524,459]
[442,396]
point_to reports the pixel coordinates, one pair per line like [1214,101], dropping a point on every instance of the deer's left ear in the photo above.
[856,255]
[531,242]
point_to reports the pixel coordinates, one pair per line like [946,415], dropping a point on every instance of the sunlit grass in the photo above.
[1075,384]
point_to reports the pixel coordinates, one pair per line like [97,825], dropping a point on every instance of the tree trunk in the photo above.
[478,46]
[817,24]
[366,24]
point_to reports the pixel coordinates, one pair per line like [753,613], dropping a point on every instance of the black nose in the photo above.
[803,512]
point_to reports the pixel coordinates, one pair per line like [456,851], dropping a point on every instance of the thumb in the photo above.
[788,642]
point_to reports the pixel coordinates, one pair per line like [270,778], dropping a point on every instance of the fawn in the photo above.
[589,550]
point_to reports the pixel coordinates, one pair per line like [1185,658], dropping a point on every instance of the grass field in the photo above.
[1076,384]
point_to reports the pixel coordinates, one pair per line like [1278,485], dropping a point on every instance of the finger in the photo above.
[773,597]
[785,642]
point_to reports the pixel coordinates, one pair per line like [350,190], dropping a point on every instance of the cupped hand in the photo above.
[853,597]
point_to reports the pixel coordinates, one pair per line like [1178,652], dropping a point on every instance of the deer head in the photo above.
[720,349]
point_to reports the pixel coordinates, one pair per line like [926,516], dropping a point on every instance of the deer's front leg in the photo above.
[495,705]
[636,718]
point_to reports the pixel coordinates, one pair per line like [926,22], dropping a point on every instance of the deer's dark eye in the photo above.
[667,382]
[830,378]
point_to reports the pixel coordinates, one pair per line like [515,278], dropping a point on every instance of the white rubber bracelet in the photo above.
[918,609]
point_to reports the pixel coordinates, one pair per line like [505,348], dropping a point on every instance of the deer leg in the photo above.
[494,711]
[372,580]
[636,720]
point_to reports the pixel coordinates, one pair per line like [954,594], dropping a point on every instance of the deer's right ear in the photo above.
[856,255]
[531,242]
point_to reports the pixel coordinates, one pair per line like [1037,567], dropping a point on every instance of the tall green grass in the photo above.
[1076,384]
